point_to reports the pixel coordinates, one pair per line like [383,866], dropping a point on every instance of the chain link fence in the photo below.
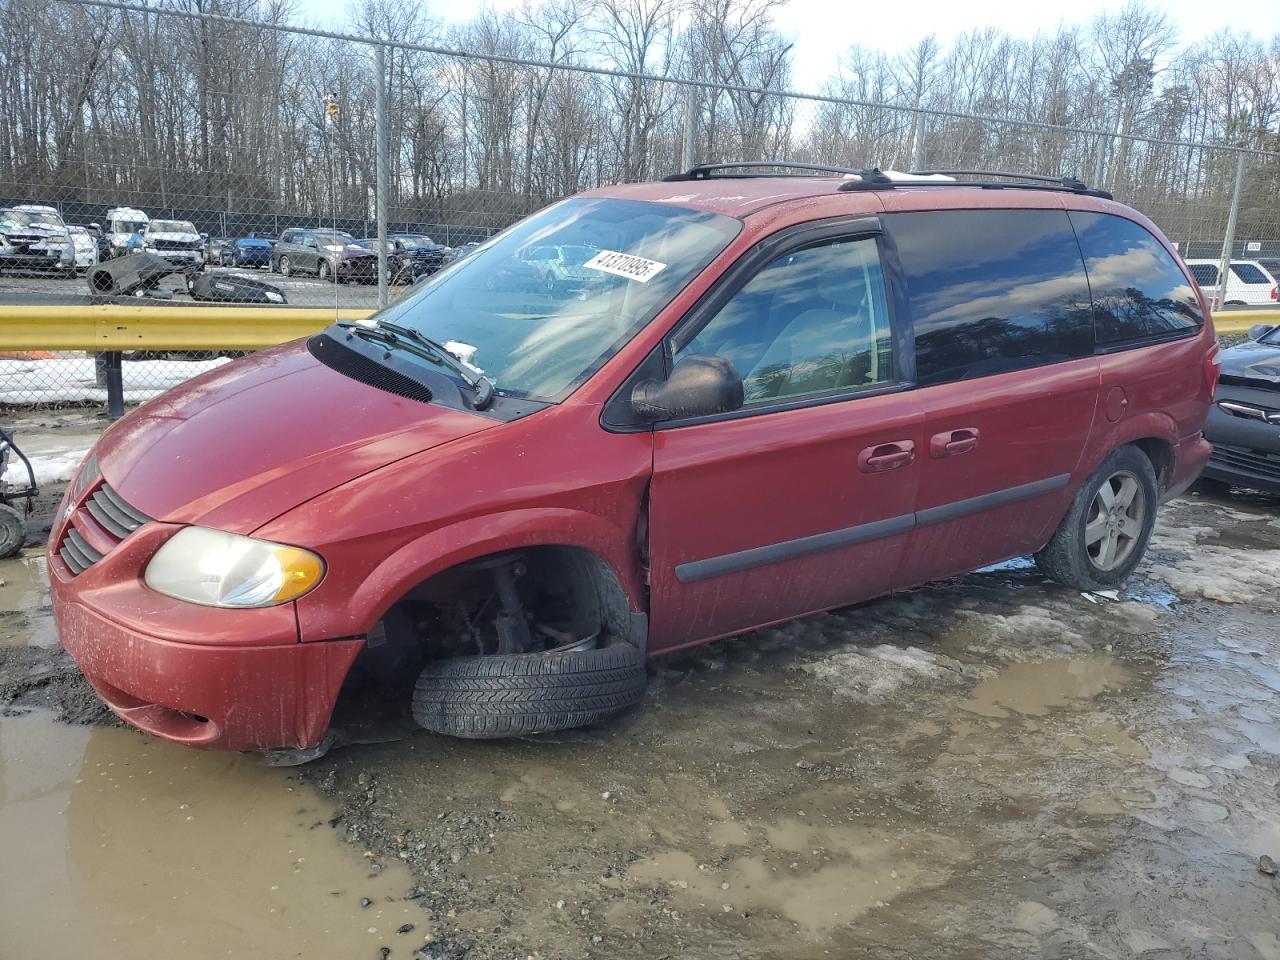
[245,158]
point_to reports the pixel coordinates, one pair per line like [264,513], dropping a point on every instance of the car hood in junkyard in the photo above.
[237,447]
[1253,361]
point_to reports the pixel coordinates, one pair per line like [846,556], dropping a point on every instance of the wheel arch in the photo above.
[445,548]
[1155,434]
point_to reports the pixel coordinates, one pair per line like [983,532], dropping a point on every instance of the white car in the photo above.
[33,237]
[124,229]
[1248,282]
[86,245]
[177,241]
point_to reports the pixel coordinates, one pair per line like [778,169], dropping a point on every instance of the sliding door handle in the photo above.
[887,456]
[952,443]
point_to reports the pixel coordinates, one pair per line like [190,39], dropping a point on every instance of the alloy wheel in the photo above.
[1115,520]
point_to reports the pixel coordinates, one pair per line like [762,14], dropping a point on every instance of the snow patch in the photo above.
[73,379]
[874,674]
[1212,571]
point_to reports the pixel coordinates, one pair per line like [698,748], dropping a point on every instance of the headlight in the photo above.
[217,569]
[274,297]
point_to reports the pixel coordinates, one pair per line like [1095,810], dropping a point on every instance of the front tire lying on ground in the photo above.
[508,695]
[1105,533]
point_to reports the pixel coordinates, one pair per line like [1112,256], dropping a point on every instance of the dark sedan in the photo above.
[1244,422]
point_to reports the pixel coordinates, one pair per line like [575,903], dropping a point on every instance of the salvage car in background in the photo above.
[33,237]
[219,251]
[86,244]
[123,230]
[329,254]
[1244,422]
[251,250]
[1248,282]
[399,262]
[177,241]
[783,395]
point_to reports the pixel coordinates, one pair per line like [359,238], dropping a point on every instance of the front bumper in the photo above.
[189,257]
[358,267]
[203,676]
[1246,452]
[216,697]
[36,261]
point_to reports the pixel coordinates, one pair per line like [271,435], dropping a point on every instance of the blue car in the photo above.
[252,250]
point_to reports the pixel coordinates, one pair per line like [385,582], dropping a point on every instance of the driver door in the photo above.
[802,500]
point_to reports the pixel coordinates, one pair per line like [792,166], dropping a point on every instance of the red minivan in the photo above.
[760,396]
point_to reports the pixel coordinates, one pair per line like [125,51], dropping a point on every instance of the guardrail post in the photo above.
[111,365]
[383,162]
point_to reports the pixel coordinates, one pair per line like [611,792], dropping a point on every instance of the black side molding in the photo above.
[695,570]
[989,501]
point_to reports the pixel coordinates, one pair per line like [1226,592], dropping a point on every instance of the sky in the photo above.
[824,29]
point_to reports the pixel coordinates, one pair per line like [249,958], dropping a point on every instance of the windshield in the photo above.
[127,226]
[537,335]
[333,238]
[17,219]
[171,226]
[414,243]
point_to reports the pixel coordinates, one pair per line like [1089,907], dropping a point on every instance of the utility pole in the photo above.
[383,162]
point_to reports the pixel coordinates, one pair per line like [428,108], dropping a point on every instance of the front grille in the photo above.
[96,527]
[1242,458]
[176,244]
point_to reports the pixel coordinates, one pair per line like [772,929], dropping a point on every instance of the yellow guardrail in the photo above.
[1239,321]
[153,327]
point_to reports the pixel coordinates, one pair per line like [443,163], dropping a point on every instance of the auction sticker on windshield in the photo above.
[625,265]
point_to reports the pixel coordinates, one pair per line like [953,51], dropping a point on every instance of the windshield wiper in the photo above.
[393,334]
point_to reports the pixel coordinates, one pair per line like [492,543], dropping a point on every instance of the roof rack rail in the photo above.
[703,171]
[994,180]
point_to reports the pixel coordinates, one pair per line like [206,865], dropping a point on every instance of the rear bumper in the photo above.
[1189,460]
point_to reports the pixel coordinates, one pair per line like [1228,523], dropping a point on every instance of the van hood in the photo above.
[180,235]
[238,446]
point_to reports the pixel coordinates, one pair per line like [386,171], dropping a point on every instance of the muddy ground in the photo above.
[989,767]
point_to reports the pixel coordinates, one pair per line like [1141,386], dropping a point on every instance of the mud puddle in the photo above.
[25,615]
[118,846]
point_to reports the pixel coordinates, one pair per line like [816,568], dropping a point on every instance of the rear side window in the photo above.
[1206,274]
[1139,293]
[1248,273]
[992,291]
[812,322]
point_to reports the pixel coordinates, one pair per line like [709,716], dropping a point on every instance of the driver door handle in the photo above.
[952,443]
[887,456]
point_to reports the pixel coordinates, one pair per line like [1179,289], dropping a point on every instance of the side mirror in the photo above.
[1260,330]
[699,386]
[204,236]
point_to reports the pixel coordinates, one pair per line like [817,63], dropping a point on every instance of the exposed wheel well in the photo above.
[1160,453]
[562,595]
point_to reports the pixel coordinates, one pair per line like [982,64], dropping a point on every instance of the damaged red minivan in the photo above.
[643,418]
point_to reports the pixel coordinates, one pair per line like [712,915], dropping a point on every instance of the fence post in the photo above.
[380,132]
[111,365]
[1224,264]
[690,128]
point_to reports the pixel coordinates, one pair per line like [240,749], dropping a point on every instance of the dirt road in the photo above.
[988,767]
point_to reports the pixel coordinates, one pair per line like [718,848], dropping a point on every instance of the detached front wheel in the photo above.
[509,695]
[1105,533]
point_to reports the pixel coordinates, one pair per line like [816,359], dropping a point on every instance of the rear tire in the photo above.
[1104,535]
[509,695]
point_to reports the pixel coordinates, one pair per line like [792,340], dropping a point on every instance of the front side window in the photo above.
[992,291]
[1139,293]
[811,322]
[536,332]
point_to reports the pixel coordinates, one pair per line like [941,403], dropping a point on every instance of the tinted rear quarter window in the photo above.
[1248,273]
[1139,292]
[992,290]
